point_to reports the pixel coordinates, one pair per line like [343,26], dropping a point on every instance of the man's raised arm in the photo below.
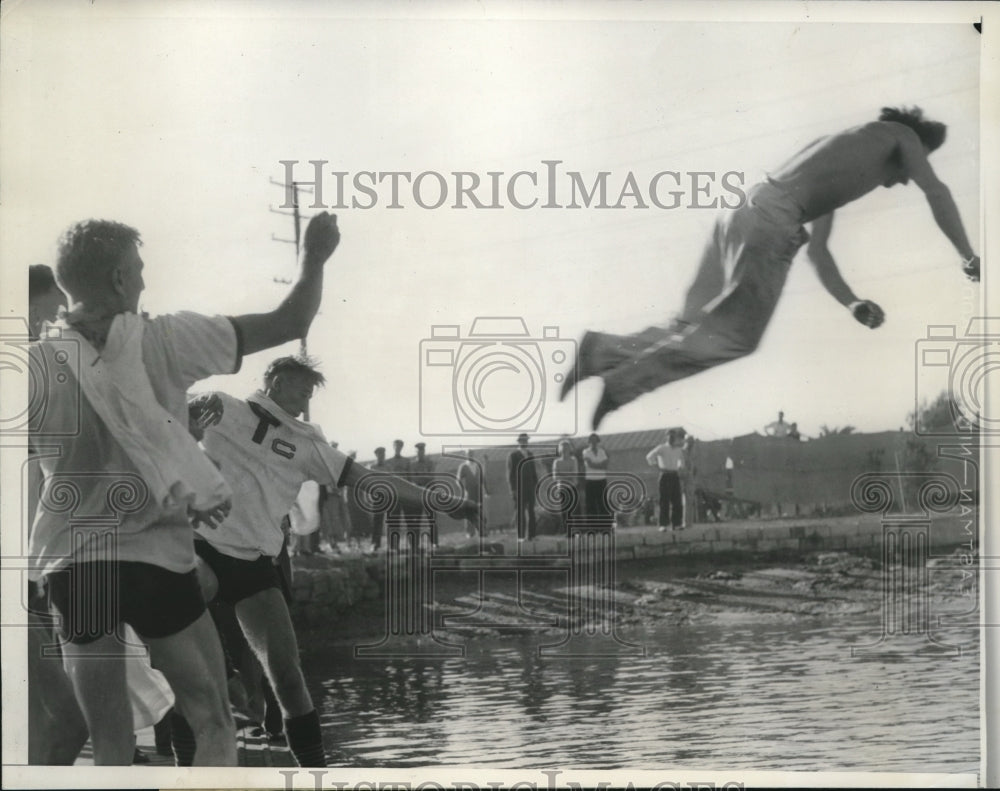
[408,495]
[291,319]
[865,311]
[939,197]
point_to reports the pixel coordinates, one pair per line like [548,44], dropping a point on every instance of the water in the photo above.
[753,697]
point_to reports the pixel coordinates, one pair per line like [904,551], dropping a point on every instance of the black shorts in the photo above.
[238,579]
[90,600]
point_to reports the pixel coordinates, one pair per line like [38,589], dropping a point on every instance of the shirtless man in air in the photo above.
[746,261]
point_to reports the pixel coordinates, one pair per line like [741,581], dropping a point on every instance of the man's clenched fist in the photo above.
[322,237]
[868,313]
[971,268]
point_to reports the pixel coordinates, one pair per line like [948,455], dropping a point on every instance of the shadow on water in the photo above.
[752,696]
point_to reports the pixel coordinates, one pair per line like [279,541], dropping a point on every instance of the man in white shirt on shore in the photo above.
[669,458]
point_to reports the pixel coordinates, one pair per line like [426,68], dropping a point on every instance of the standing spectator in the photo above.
[522,478]
[339,516]
[422,472]
[779,428]
[358,519]
[334,521]
[669,457]
[793,432]
[566,471]
[378,518]
[595,463]
[472,478]
[730,493]
[399,465]
[688,473]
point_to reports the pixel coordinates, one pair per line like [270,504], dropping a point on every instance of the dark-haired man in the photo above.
[378,518]
[422,474]
[745,263]
[115,387]
[265,453]
[522,479]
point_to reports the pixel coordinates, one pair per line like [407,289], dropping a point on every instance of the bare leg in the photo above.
[267,625]
[755,259]
[268,628]
[98,678]
[192,661]
[56,728]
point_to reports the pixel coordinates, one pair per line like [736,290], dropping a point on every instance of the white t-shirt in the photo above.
[89,477]
[592,473]
[265,455]
[666,457]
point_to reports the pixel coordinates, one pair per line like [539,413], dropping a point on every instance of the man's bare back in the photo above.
[835,170]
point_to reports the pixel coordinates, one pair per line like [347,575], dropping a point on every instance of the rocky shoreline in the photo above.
[650,594]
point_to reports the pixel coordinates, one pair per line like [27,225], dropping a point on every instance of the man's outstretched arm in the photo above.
[408,495]
[291,319]
[939,197]
[865,311]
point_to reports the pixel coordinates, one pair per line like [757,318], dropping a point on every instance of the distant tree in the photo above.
[826,431]
[938,415]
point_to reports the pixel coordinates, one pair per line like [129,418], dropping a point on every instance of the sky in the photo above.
[175,119]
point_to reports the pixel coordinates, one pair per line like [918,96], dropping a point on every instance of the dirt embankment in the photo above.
[648,594]
[827,584]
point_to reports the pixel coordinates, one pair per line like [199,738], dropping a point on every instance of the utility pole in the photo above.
[294,188]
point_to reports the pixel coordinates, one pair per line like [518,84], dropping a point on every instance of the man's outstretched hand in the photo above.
[868,313]
[203,411]
[211,517]
[971,268]
[322,237]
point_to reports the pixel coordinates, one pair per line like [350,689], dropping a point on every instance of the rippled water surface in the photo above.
[749,697]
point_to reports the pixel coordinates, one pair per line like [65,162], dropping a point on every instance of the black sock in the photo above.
[272,711]
[305,739]
[162,733]
[182,739]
